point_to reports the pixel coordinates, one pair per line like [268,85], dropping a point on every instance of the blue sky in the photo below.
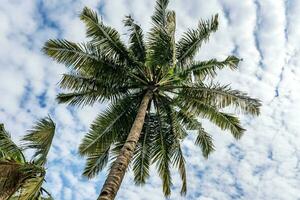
[264,164]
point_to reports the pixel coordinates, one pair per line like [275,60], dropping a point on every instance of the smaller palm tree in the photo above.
[19,178]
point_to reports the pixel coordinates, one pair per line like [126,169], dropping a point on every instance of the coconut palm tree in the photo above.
[156,93]
[21,179]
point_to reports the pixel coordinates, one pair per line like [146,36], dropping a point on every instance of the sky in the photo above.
[264,164]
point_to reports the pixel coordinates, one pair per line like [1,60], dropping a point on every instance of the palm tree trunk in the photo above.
[118,169]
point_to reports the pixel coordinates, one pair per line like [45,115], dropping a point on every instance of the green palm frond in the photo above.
[205,141]
[104,36]
[223,96]
[160,41]
[31,189]
[71,54]
[143,152]
[223,120]
[179,162]
[40,139]
[95,162]
[8,149]
[108,125]
[88,90]
[162,149]
[136,39]
[189,44]
[202,69]
[159,18]
[14,176]
[10,178]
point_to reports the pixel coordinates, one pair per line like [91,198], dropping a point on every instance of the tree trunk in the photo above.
[118,169]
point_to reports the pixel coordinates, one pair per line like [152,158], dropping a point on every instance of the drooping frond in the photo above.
[40,139]
[31,189]
[108,125]
[223,96]
[223,120]
[95,162]
[10,178]
[177,132]
[71,54]
[205,141]
[202,69]
[104,36]
[143,153]
[162,149]
[179,163]
[14,177]
[8,149]
[136,39]
[189,44]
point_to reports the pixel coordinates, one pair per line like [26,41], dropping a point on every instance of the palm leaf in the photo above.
[223,120]
[162,151]
[204,140]
[96,162]
[40,139]
[8,149]
[189,44]
[179,162]
[71,54]
[159,18]
[223,96]
[104,36]
[202,69]
[143,153]
[137,45]
[31,189]
[108,125]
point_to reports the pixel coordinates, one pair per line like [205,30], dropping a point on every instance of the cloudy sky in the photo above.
[264,164]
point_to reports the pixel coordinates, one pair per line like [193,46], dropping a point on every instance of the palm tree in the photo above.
[21,179]
[156,93]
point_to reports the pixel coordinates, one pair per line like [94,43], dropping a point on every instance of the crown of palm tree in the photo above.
[182,90]
[21,179]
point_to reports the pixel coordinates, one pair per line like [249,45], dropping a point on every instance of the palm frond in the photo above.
[162,150]
[117,118]
[96,162]
[88,90]
[31,189]
[223,120]
[159,51]
[8,149]
[159,18]
[205,141]
[136,39]
[40,139]
[159,44]
[71,54]
[222,96]
[201,70]
[104,36]
[189,44]
[143,153]
[179,162]
[14,176]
